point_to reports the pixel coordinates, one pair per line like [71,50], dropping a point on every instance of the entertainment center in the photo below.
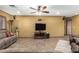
[40,31]
[41,35]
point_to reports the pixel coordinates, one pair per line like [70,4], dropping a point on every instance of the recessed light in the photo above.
[18,12]
[57,13]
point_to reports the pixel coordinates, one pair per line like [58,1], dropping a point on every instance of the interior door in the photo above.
[69,27]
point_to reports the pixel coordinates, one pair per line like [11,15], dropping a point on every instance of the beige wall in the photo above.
[8,17]
[75,25]
[54,25]
[26,25]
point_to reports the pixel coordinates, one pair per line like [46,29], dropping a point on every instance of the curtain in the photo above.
[2,23]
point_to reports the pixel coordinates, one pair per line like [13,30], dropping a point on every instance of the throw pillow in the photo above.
[11,34]
[8,34]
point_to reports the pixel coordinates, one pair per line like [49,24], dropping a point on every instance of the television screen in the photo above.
[40,26]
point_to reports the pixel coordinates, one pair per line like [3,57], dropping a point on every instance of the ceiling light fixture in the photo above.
[39,13]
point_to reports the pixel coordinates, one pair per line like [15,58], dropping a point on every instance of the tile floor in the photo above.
[38,45]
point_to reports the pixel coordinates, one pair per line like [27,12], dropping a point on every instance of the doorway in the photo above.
[68,26]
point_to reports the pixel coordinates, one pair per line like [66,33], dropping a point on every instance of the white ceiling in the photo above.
[54,10]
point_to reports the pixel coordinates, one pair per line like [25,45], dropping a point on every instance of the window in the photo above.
[2,22]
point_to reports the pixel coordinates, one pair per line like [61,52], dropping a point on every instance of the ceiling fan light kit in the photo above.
[40,9]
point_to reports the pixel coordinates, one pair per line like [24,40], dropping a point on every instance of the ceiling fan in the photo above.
[40,9]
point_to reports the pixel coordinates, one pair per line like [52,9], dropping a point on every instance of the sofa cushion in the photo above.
[2,35]
[74,47]
[8,34]
[7,41]
[72,41]
[77,40]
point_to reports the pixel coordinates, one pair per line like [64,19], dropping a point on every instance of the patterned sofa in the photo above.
[6,41]
[74,42]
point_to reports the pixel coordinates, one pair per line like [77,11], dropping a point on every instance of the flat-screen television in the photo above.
[40,26]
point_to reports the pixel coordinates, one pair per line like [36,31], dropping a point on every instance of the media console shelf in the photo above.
[41,35]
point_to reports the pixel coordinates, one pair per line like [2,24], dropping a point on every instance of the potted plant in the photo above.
[17,31]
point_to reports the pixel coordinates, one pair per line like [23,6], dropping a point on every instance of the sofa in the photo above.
[74,43]
[6,41]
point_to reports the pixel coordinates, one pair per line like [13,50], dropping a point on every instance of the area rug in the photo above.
[63,46]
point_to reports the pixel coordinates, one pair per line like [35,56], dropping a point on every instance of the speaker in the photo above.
[39,19]
[64,18]
[14,17]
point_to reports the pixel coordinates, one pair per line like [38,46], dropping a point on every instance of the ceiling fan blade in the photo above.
[33,8]
[45,11]
[44,7]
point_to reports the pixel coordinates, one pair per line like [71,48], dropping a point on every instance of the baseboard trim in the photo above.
[24,37]
[49,37]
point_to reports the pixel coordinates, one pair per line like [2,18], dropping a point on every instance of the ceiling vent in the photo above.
[12,5]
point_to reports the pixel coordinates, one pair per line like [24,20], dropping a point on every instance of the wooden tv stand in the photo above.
[41,35]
